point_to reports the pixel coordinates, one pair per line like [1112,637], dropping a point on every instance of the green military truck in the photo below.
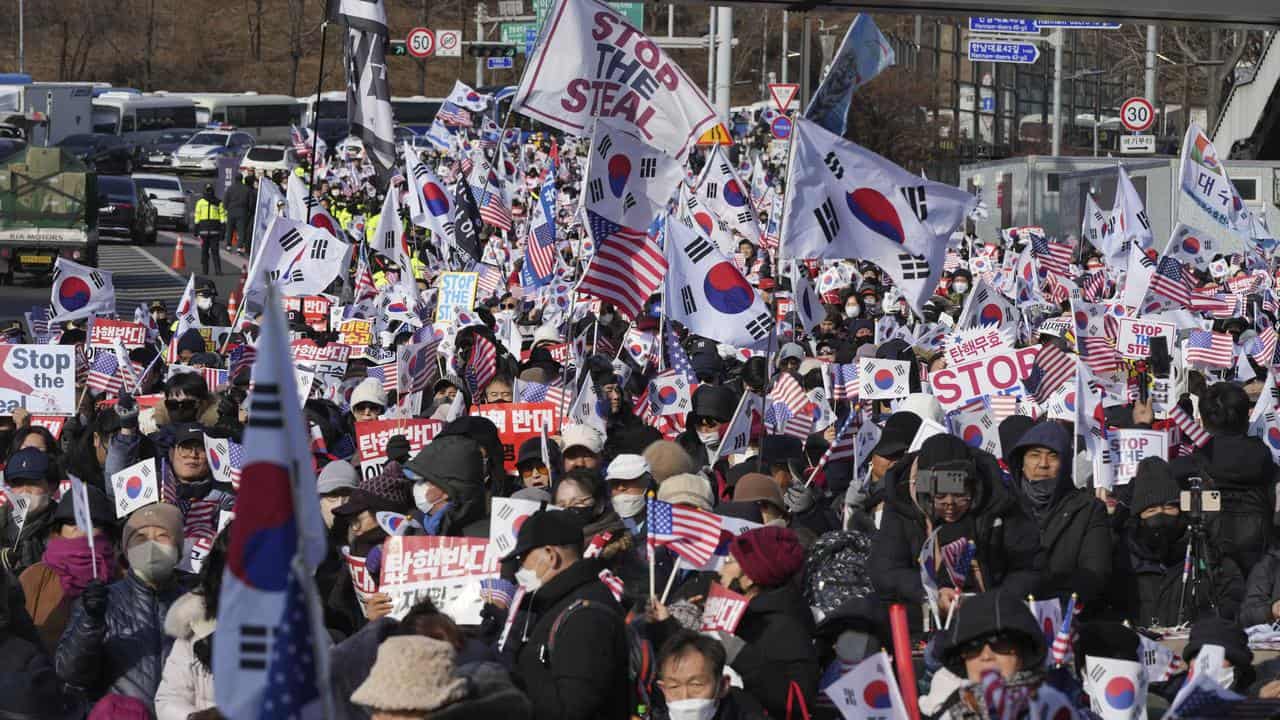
[48,208]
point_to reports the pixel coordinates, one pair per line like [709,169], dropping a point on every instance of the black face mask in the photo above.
[736,586]
[367,540]
[1159,535]
[581,515]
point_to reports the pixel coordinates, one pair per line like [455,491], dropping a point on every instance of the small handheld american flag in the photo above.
[1062,641]
[690,533]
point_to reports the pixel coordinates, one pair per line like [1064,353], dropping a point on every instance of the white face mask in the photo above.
[627,505]
[528,579]
[960,288]
[852,311]
[710,438]
[695,709]
[203,302]
[420,500]
[35,501]
[1225,676]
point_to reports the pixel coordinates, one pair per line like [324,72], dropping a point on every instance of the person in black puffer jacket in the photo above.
[1262,591]
[29,688]
[1239,467]
[987,514]
[1075,540]
[447,479]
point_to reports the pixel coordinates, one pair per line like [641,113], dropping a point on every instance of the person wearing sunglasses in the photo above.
[533,467]
[368,400]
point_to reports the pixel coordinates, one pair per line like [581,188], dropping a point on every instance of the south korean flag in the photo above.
[135,486]
[723,192]
[80,291]
[708,294]
[884,379]
[669,394]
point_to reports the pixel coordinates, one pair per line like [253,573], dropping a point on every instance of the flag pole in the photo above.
[670,581]
[315,118]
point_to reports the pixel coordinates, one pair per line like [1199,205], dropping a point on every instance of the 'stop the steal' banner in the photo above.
[590,62]
[39,378]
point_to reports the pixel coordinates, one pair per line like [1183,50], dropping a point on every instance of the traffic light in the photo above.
[397,47]
[478,50]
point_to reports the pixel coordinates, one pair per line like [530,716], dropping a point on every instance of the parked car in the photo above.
[266,159]
[169,197]
[124,209]
[157,149]
[203,150]
[101,152]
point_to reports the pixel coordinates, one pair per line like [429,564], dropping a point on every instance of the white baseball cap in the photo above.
[627,467]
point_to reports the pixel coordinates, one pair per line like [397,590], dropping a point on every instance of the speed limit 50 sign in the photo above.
[1137,114]
[420,42]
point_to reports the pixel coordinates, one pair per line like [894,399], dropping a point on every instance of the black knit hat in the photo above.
[1153,485]
[1214,630]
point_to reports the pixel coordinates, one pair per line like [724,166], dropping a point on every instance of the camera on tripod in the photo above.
[931,483]
[1197,501]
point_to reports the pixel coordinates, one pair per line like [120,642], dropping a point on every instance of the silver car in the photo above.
[169,197]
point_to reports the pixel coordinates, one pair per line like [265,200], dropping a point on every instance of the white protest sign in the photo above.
[457,293]
[365,584]
[440,568]
[1129,447]
[135,486]
[724,610]
[1133,336]
[38,378]
[995,374]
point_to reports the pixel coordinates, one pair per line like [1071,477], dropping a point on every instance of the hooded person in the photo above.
[115,640]
[1240,468]
[1147,584]
[448,488]
[955,491]
[68,566]
[991,631]
[713,408]
[485,434]
[1075,539]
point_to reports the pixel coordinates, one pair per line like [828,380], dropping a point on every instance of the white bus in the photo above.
[332,106]
[415,113]
[118,113]
[266,117]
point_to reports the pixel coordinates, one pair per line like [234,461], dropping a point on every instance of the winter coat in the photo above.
[48,607]
[1006,538]
[186,685]
[21,551]
[585,676]
[29,687]
[1261,590]
[1242,470]
[237,199]
[490,696]
[1146,590]
[778,630]
[1075,540]
[125,651]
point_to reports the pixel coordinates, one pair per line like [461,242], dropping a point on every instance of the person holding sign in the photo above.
[571,652]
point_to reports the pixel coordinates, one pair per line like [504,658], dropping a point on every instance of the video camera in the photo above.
[931,483]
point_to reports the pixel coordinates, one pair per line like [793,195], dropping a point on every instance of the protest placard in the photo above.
[444,569]
[356,334]
[304,350]
[105,331]
[215,338]
[1133,336]
[52,423]
[457,293]
[39,378]
[372,437]
[1000,373]
[362,580]
[1129,447]
[314,310]
[723,611]
[518,422]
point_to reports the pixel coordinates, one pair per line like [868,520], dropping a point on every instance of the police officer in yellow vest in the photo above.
[208,221]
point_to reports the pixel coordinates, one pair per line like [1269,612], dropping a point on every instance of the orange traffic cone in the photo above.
[235,239]
[244,278]
[233,303]
[179,256]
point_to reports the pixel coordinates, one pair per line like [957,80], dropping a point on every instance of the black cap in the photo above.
[899,430]
[101,511]
[398,449]
[546,528]
[186,432]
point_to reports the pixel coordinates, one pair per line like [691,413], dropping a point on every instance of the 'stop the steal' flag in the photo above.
[591,62]
[80,291]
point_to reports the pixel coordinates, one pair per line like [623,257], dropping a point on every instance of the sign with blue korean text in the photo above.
[1003,51]
[457,293]
[38,378]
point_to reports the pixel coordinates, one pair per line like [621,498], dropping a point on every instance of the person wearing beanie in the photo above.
[114,641]
[337,480]
[368,400]
[412,677]
[667,458]
[773,646]
[713,408]
[955,491]
[190,343]
[1236,673]
[1146,586]
[67,566]
[687,489]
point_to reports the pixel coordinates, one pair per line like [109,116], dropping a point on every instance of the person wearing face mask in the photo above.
[448,488]
[67,566]
[115,641]
[186,400]
[29,476]
[356,524]
[961,281]
[772,648]
[1146,585]
[334,485]
[1236,671]
[160,316]
[189,463]
[571,651]
[1075,539]
[212,313]
[629,478]
[694,685]
[713,408]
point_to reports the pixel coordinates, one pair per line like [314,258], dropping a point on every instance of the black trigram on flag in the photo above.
[914,267]
[290,240]
[710,190]
[686,299]
[628,202]
[297,275]
[311,201]
[419,170]
[698,249]
[320,248]
[744,216]
[606,144]
[826,215]
[648,167]
[724,168]
[759,326]
[96,277]
[595,190]
[915,198]
[255,647]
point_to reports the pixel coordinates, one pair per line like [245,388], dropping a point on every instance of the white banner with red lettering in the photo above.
[105,331]
[518,422]
[448,570]
[724,610]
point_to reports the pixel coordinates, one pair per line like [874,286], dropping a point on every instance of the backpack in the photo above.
[836,569]
[641,670]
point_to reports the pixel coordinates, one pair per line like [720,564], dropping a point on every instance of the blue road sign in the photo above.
[1003,25]
[499,63]
[1078,24]
[781,127]
[1004,52]
[988,104]
[530,37]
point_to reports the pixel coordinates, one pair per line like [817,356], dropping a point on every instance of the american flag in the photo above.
[235,454]
[1170,281]
[489,279]
[788,391]
[483,365]
[676,357]
[200,517]
[690,533]
[1265,347]
[780,418]
[533,392]
[957,558]
[1054,258]
[1191,429]
[540,248]
[214,378]
[38,324]
[365,289]
[613,582]
[450,114]
[951,262]
[417,366]
[1052,369]
[299,141]
[627,268]
[1002,406]
[1094,287]
[103,374]
[1219,306]
[292,690]
[1209,348]
[240,358]
[1061,649]
[1099,353]
[844,381]
[386,373]
[844,447]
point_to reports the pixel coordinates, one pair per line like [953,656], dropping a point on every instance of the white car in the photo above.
[167,195]
[202,152]
[266,159]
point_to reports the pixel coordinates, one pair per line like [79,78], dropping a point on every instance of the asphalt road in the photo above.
[142,273]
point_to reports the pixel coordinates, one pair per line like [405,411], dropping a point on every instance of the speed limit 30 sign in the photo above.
[420,42]
[1137,114]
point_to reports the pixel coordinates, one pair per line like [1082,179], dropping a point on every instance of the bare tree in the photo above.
[254,9]
[1204,50]
[301,34]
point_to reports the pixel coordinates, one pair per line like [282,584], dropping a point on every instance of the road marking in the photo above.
[156,261]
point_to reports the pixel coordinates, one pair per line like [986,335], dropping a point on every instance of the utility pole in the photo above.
[724,60]
[806,56]
[1056,39]
[22,60]
[1149,84]
[786,47]
[480,37]
[711,52]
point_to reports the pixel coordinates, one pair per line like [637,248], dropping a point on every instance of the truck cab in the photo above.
[48,209]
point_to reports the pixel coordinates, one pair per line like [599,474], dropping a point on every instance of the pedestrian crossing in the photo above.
[139,278]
